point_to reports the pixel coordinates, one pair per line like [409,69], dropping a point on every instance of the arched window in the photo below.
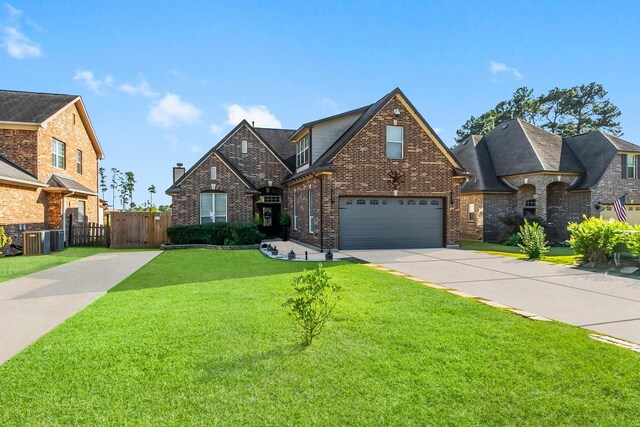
[529,207]
[213,207]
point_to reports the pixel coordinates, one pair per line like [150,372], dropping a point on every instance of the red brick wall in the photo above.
[20,147]
[186,205]
[301,190]
[258,164]
[361,170]
[472,230]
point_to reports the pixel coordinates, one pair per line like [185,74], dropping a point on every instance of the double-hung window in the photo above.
[58,152]
[471,212]
[295,211]
[79,161]
[311,211]
[213,207]
[82,207]
[302,151]
[395,142]
[632,166]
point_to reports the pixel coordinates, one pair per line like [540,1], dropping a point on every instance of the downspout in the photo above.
[321,224]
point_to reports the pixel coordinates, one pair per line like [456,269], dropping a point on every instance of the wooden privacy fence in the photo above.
[88,234]
[138,229]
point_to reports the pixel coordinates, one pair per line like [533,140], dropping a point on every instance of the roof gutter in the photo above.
[22,181]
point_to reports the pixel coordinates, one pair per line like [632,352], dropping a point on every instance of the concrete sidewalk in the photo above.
[32,305]
[599,302]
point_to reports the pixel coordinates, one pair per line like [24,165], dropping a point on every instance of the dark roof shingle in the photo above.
[31,107]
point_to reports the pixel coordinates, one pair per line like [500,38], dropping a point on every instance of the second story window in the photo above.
[302,151]
[632,166]
[79,161]
[245,146]
[58,152]
[395,142]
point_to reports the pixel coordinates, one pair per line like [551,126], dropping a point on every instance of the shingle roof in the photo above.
[66,183]
[31,107]
[15,174]
[474,155]
[278,140]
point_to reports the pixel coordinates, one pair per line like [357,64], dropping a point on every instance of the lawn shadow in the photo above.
[209,265]
[216,369]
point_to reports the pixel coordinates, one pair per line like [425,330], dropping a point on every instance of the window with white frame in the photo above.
[82,208]
[79,161]
[395,142]
[295,211]
[302,151]
[213,207]
[471,212]
[311,211]
[214,173]
[245,146]
[632,166]
[58,152]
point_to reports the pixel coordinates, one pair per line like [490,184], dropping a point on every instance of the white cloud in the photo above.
[216,129]
[12,10]
[259,114]
[500,67]
[142,88]
[94,84]
[20,46]
[171,110]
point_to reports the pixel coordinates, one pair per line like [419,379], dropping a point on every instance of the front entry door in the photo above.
[270,224]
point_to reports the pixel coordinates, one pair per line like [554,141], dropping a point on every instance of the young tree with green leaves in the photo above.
[103,181]
[152,191]
[115,179]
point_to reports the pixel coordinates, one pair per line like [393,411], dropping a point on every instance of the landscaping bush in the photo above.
[513,240]
[633,241]
[533,240]
[217,233]
[595,238]
[312,306]
[4,239]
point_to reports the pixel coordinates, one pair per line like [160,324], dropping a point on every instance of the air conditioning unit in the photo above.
[36,243]
[57,240]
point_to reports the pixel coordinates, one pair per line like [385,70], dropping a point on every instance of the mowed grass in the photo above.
[17,266]
[200,337]
[556,255]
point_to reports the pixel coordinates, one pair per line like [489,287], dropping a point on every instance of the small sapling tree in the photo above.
[315,299]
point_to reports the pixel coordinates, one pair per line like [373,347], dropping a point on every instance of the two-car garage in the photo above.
[391,223]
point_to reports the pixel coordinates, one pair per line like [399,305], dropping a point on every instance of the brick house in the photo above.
[49,157]
[373,177]
[519,168]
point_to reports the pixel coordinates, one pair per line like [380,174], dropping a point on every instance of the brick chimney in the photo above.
[178,171]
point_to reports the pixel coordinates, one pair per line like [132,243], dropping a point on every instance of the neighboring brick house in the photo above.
[518,168]
[373,177]
[49,157]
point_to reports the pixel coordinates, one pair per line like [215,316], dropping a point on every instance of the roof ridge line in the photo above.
[530,144]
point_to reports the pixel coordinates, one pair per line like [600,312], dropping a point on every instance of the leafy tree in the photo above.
[564,112]
[115,179]
[130,183]
[152,191]
[103,181]
[164,208]
[124,191]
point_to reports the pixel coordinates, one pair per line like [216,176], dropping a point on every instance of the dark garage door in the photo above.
[390,223]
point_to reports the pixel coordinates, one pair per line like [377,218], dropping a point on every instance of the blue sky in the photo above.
[163,81]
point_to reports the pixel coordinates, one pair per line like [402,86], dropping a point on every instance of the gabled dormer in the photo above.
[313,139]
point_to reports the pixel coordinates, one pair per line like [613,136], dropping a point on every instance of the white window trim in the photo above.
[471,210]
[214,173]
[226,213]
[295,211]
[311,216]
[57,154]
[302,154]
[632,164]
[245,146]
[401,142]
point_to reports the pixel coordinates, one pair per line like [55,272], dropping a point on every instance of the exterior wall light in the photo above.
[451,199]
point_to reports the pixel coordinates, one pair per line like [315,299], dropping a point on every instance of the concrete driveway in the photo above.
[599,302]
[32,305]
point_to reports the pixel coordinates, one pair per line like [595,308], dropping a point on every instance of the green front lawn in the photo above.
[555,255]
[199,337]
[17,266]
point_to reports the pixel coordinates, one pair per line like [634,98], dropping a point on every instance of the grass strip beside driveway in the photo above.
[201,337]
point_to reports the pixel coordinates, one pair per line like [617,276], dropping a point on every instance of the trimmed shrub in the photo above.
[315,299]
[512,240]
[4,239]
[595,238]
[633,241]
[217,233]
[533,240]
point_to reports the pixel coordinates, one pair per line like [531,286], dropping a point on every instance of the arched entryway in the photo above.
[558,207]
[527,200]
